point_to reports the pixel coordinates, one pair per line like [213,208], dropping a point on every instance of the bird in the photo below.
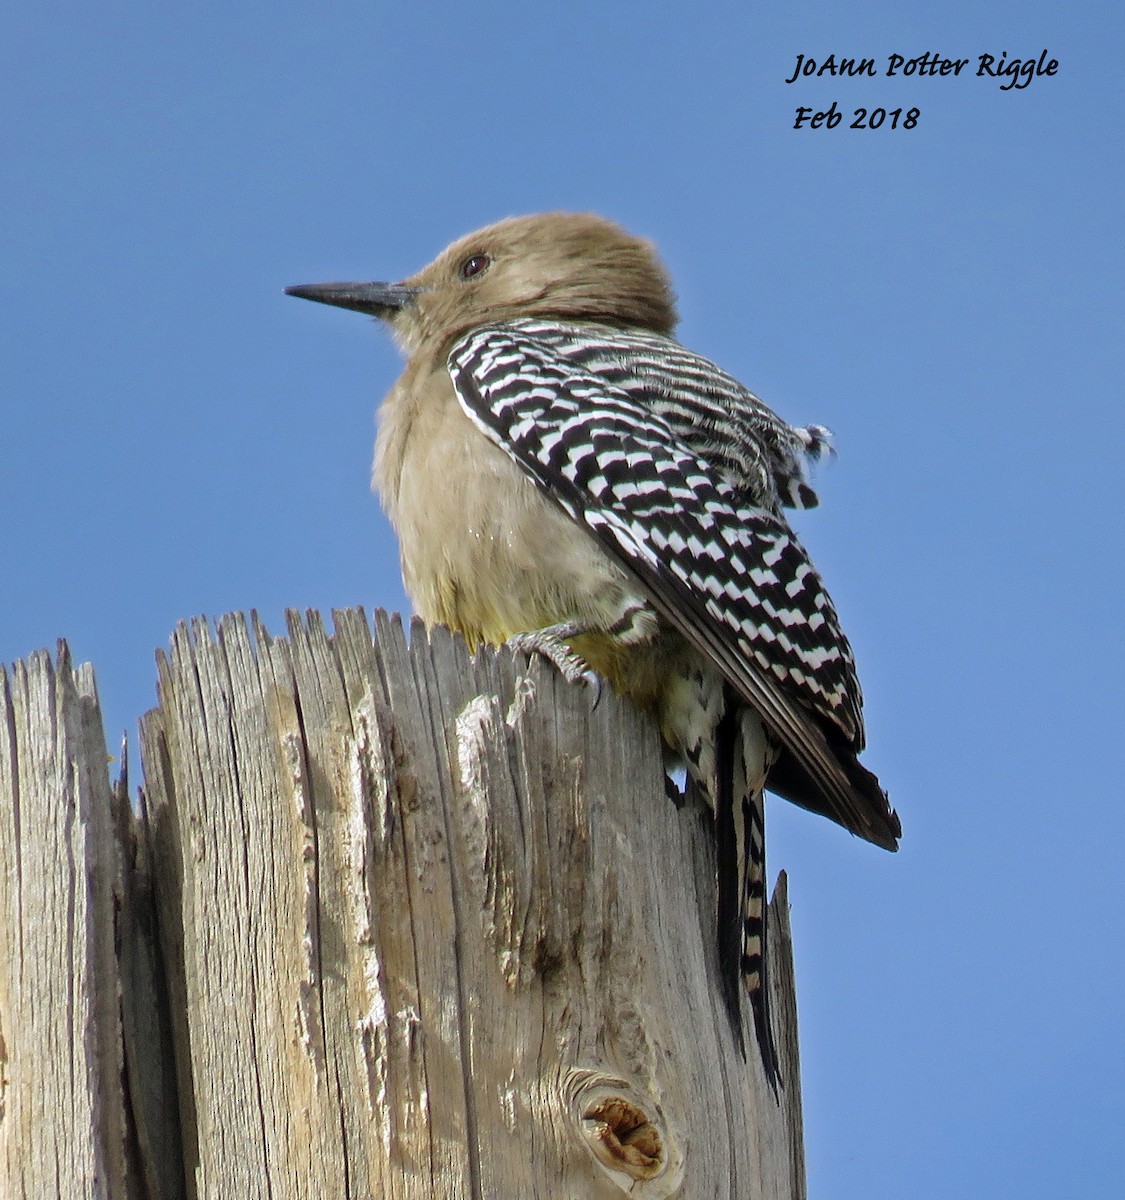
[567,478]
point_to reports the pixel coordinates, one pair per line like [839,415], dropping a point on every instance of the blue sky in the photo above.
[178,437]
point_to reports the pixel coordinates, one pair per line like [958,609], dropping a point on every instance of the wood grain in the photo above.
[386,921]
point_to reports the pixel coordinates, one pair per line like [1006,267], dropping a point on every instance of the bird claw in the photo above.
[550,644]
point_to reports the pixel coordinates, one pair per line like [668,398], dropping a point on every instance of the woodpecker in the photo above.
[565,476]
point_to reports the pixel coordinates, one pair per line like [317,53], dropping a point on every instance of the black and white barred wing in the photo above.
[731,577]
[762,456]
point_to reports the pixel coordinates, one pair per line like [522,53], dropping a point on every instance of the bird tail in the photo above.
[754,964]
[740,838]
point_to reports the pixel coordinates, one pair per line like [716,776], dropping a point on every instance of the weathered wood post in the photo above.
[63,1106]
[430,926]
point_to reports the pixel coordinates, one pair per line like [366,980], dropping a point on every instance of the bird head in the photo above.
[565,266]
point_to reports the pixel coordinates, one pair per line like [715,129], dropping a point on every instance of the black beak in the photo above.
[377,299]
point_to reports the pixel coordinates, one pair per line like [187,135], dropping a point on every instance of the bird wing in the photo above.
[763,456]
[729,575]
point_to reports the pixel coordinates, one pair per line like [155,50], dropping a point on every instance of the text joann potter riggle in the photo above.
[1012,74]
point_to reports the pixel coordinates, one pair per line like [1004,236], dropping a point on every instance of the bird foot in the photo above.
[550,643]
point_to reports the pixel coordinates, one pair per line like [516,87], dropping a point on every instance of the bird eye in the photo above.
[474,265]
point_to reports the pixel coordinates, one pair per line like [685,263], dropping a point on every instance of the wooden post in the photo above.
[62,1103]
[428,926]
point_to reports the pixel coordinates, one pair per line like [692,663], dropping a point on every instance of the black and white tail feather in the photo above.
[681,474]
[740,849]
